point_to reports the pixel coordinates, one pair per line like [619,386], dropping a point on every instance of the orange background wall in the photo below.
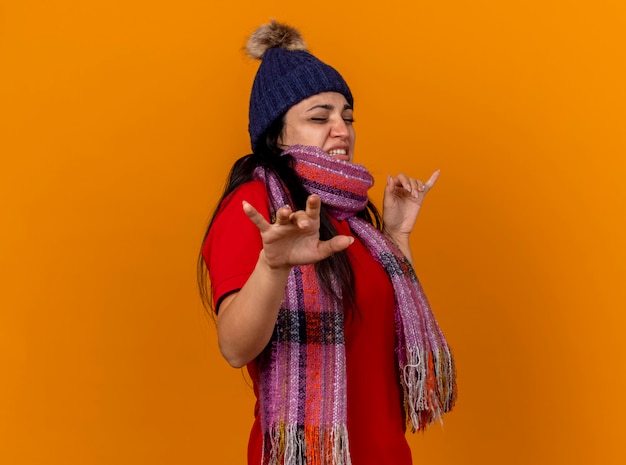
[119,121]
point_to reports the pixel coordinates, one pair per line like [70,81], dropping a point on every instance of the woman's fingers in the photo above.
[336,244]
[293,238]
[255,216]
[432,180]
[402,180]
[313,206]
[300,219]
[305,218]
[412,185]
[417,187]
[286,216]
[283,215]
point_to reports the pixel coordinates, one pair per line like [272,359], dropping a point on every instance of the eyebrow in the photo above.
[330,107]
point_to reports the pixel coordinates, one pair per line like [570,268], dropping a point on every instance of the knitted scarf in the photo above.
[302,386]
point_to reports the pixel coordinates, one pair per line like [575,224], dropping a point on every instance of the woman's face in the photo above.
[323,120]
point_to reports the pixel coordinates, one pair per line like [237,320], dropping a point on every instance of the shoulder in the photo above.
[253,192]
[230,225]
[253,187]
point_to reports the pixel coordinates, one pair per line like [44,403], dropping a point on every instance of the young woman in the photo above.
[314,292]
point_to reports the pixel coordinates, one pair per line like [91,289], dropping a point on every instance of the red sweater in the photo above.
[376,429]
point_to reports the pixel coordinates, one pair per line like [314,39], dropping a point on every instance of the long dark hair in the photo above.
[267,155]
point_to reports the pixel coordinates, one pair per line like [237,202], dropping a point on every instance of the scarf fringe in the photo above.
[306,445]
[428,381]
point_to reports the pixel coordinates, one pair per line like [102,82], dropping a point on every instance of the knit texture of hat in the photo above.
[287,75]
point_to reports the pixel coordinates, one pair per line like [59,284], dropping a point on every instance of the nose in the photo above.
[339,128]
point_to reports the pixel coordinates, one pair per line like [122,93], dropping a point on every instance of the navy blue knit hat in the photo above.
[287,75]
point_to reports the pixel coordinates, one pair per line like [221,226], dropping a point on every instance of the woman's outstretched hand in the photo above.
[401,205]
[293,239]
[247,317]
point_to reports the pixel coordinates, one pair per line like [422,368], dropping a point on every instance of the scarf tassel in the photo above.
[429,387]
[306,445]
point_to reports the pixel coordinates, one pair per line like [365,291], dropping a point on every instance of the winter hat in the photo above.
[287,75]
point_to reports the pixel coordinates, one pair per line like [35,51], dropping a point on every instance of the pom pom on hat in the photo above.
[287,75]
[274,35]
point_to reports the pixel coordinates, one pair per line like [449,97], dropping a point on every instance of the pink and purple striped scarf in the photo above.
[302,387]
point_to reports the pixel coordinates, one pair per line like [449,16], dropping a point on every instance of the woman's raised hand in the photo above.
[401,204]
[293,239]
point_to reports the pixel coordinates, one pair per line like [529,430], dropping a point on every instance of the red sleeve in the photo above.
[232,247]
